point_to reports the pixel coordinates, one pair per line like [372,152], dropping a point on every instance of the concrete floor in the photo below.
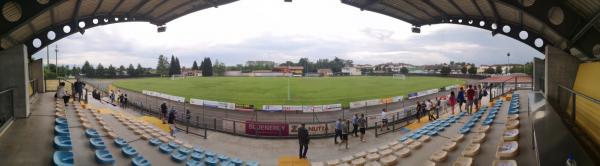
[36,133]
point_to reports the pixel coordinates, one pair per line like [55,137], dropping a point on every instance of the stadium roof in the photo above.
[573,25]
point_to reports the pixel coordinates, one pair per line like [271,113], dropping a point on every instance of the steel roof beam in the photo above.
[97,7]
[137,8]
[495,11]
[155,7]
[52,20]
[418,8]
[369,3]
[585,28]
[478,8]
[458,8]
[415,18]
[437,9]
[76,13]
[177,8]
[116,7]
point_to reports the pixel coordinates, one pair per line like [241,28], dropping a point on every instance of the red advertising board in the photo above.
[267,129]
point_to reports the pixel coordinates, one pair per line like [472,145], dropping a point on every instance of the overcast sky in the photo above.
[278,31]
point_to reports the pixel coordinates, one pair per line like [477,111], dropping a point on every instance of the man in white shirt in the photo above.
[384,120]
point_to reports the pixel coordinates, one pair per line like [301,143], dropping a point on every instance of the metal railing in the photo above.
[573,95]
[7,107]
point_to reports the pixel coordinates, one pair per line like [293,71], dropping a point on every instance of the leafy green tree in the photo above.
[463,69]
[404,70]
[489,70]
[445,70]
[139,71]
[207,67]
[195,66]
[472,69]
[498,69]
[528,68]
[87,69]
[100,71]
[162,67]
[121,70]
[111,71]
[177,69]
[131,71]
[219,68]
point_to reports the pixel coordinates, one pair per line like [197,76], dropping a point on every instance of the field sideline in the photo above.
[274,90]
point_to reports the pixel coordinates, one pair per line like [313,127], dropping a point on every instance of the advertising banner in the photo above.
[196,101]
[292,108]
[272,108]
[266,129]
[412,95]
[358,104]
[244,107]
[313,129]
[332,107]
[312,108]
[386,100]
[373,102]
[397,98]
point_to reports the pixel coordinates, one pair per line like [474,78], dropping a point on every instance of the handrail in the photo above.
[7,90]
[580,94]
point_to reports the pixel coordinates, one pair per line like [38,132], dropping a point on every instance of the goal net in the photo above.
[399,76]
[177,77]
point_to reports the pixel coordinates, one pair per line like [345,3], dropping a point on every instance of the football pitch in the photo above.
[274,90]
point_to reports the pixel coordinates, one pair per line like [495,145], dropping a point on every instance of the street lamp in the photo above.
[508,63]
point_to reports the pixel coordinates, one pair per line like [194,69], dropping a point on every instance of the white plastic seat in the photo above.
[389,160]
[511,135]
[317,164]
[463,161]
[479,138]
[471,150]
[403,153]
[347,159]
[424,138]
[458,138]
[397,147]
[439,156]
[507,150]
[359,162]
[372,157]
[504,163]
[512,124]
[360,154]
[449,146]
[415,145]
[333,162]
[385,152]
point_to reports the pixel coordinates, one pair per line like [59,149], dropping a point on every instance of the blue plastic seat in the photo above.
[97,143]
[194,163]
[104,157]
[165,148]
[464,130]
[61,130]
[178,157]
[227,163]
[63,143]
[63,158]
[488,122]
[92,133]
[199,150]
[209,154]
[236,161]
[173,145]
[60,121]
[120,142]
[184,150]
[432,133]
[155,142]
[223,157]
[470,124]
[403,138]
[252,163]
[197,156]
[140,161]
[416,136]
[129,151]
[211,161]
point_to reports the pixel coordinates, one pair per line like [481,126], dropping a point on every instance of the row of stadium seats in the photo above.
[178,150]
[63,155]
[391,153]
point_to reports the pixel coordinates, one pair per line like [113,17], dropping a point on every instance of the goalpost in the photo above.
[399,76]
[177,76]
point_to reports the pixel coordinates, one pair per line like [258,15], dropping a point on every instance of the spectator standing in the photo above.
[338,131]
[171,121]
[428,107]
[345,128]
[363,126]
[476,97]
[112,97]
[79,85]
[419,110]
[470,97]
[384,120]
[163,112]
[355,125]
[452,101]
[303,140]
[438,106]
[125,100]
[460,98]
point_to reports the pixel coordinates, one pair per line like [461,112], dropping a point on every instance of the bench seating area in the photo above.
[63,155]
[508,150]
[391,153]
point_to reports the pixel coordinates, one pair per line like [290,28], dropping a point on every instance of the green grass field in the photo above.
[274,90]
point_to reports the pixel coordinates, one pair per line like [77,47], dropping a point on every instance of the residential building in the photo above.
[353,71]
[325,72]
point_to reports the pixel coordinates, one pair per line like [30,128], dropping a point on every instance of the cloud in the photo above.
[277,31]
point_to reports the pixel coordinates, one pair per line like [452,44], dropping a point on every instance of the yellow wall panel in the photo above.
[588,112]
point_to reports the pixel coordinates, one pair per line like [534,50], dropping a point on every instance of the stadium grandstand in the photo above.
[549,118]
